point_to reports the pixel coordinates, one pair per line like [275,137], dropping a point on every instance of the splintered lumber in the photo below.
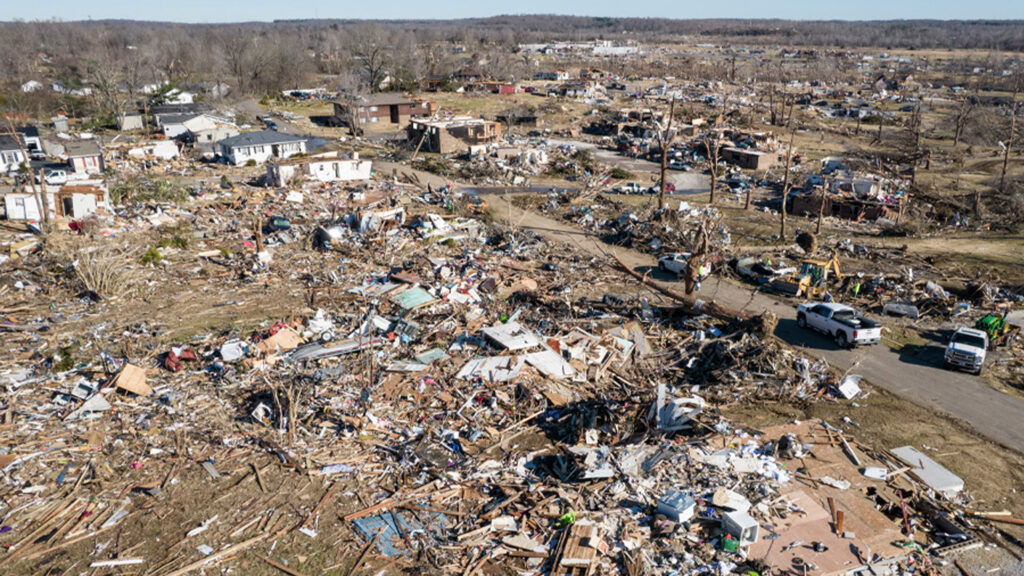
[961,567]
[225,553]
[996,517]
[579,550]
[281,567]
[379,507]
[849,451]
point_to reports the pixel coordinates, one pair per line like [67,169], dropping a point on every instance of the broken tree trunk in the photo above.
[761,324]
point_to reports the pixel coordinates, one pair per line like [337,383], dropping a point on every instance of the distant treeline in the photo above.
[111,62]
[1006,35]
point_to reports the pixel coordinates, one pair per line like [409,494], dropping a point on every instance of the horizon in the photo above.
[262,11]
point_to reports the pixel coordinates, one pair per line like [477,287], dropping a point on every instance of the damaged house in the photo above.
[74,201]
[529,117]
[456,134]
[84,157]
[327,167]
[748,159]
[206,129]
[857,199]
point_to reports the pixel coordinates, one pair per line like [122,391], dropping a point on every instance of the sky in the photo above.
[265,10]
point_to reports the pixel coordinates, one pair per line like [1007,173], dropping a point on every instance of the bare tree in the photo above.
[1008,145]
[712,147]
[665,140]
[371,51]
[110,75]
[785,186]
[964,108]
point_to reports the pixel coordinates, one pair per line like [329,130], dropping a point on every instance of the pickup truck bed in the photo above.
[840,322]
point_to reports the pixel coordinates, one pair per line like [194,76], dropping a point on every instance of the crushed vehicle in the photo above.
[759,271]
[841,322]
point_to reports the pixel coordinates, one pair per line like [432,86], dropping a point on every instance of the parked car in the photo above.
[846,325]
[656,189]
[966,350]
[677,165]
[54,177]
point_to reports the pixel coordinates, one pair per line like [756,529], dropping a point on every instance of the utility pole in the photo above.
[666,138]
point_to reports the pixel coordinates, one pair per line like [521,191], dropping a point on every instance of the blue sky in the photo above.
[247,10]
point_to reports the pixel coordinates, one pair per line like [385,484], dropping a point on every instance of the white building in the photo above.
[261,146]
[84,156]
[327,167]
[207,129]
[10,154]
[72,201]
[162,149]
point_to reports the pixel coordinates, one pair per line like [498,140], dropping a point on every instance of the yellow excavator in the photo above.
[813,278]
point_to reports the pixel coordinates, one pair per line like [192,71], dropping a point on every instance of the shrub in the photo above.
[621,174]
[151,256]
[175,242]
[97,268]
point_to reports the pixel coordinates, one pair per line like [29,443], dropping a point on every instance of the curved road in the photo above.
[918,378]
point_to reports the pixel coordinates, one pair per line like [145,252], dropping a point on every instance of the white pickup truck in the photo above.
[628,188]
[840,322]
[966,349]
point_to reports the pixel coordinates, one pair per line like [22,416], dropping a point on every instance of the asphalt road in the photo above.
[919,378]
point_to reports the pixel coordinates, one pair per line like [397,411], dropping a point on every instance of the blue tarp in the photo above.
[390,542]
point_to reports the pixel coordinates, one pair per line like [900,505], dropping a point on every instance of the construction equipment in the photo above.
[998,329]
[812,279]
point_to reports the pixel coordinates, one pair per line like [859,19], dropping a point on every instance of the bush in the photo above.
[93,267]
[151,256]
[135,189]
[175,242]
[251,162]
[621,174]
[439,167]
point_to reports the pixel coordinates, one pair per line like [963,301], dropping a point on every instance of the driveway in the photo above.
[918,378]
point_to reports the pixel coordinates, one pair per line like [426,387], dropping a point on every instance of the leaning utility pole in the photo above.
[666,139]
